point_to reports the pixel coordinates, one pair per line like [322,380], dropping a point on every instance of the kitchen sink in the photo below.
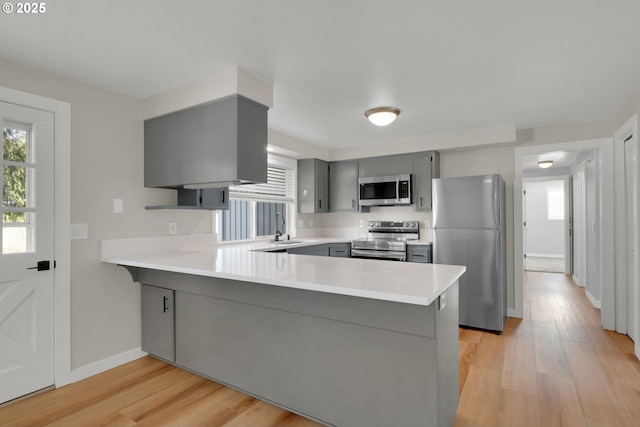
[284,242]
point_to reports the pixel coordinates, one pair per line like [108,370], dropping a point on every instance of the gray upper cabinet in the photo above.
[313,186]
[426,166]
[343,186]
[385,165]
[205,199]
[223,141]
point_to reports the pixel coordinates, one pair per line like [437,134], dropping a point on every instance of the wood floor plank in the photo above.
[260,414]
[475,408]
[549,352]
[519,371]
[598,399]
[597,423]
[467,352]
[470,335]
[630,398]
[558,402]
[490,352]
[519,409]
[620,369]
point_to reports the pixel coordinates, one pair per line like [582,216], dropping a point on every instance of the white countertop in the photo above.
[405,282]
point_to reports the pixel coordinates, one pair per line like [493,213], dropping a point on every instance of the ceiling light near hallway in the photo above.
[382,116]
[545,163]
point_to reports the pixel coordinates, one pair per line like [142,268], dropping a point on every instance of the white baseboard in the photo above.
[512,312]
[576,280]
[591,299]
[546,255]
[94,368]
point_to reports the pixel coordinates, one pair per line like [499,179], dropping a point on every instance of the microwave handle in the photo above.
[397,190]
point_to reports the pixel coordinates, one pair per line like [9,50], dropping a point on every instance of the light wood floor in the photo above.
[555,367]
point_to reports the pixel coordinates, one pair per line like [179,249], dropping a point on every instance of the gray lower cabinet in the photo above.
[343,186]
[158,322]
[319,250]
[337,359]
[325,249]
[340,249]
[419,253]
[426,166]
[313,186]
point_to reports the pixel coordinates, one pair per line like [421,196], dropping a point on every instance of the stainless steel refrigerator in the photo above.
[469,222]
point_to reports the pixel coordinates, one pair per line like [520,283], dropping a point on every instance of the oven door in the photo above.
[377,254]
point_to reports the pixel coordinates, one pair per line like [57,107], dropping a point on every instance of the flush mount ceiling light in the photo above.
[545,163]
[382,116]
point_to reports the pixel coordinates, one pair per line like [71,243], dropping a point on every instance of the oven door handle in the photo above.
[378,254]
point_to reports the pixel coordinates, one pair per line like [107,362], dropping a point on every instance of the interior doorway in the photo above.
[601,226]
[546,224]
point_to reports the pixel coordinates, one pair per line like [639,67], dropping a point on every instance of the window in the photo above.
[555,203]
[256,210]
[18,170]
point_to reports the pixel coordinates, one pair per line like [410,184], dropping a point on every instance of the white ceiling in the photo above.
[449,65]
[561,159]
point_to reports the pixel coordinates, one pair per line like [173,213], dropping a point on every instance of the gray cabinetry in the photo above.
[158,322]
[343,186]
[221,141]
[208,198]
[320,250]
[426,166]
[419,253]
[340,249]
[313,186]
[324,249]
[272,342]
[385,165]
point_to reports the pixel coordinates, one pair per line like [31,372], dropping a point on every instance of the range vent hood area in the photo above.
[208,146]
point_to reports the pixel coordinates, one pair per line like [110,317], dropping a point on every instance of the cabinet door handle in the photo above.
[222,197]
[165,304]
[420,201]
[319,203]
[353,203]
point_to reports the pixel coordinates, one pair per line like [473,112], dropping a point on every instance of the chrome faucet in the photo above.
[278,232]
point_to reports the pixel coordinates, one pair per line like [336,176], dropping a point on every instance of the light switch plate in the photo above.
[79,231]
[118,206]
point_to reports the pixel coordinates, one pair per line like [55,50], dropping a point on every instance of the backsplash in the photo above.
[347,224]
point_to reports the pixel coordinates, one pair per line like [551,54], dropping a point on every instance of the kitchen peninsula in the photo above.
[346,342]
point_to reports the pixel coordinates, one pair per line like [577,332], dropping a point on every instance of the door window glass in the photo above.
[18,170]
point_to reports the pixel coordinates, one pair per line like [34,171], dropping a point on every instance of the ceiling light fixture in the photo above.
[382,116]
[545,163]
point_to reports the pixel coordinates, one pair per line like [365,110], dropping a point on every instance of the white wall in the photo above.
[543,236]
[106,163]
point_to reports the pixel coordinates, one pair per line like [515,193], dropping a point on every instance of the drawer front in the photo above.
[341,250]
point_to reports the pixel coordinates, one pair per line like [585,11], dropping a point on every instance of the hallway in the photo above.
[555,367]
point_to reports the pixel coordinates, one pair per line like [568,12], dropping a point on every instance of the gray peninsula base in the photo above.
[339,360]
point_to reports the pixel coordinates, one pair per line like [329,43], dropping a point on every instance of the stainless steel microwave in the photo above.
[385,190]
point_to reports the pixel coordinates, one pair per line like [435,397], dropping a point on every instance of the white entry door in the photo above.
[27,251]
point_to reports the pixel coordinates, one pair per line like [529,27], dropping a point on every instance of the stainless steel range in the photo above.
[386,240]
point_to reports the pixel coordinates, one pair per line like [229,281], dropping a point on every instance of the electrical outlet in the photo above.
[173,227]
[361,223]
[443,301]
[427,223]
[79,231]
